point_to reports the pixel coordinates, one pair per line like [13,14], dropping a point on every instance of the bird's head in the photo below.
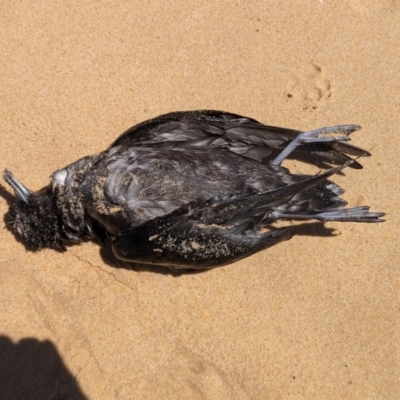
[32,217]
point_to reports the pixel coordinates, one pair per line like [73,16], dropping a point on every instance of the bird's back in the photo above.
[130,186]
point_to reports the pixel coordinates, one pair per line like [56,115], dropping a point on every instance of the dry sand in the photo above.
[312,318]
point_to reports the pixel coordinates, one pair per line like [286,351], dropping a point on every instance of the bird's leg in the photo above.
[318,136]
[355,214]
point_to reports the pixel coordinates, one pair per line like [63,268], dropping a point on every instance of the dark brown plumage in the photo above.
[190,190]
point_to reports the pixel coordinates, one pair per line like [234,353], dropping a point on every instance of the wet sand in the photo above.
[314,317]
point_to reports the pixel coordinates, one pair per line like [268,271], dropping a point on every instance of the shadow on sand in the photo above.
[33,369]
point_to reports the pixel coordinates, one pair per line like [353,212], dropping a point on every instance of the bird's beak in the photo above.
[21,192]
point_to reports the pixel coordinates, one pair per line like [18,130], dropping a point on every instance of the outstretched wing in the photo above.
[242,135]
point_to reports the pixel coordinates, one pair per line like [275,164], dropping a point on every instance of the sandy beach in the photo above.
[315,317]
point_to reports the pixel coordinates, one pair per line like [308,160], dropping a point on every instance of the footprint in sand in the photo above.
[194,377]
[310,87]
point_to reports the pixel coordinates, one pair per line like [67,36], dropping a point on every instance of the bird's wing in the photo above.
[242,135]
[223,229]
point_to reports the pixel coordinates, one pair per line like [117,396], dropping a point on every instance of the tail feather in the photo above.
[253,206]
